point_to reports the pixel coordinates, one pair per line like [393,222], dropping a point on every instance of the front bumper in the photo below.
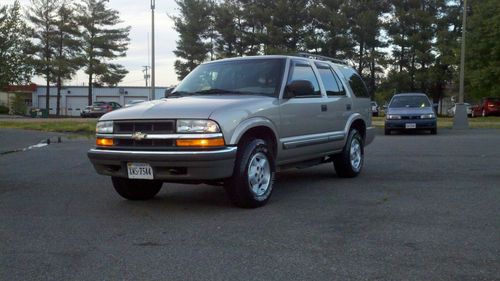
[175,166]
[420,124]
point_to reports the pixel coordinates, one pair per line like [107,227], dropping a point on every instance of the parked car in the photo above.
[375,108]
[487,107]
[452,110]
[235,122]
[133,102]
[99,108]
[410,111]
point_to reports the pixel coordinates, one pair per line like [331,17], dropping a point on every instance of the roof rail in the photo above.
[318,57]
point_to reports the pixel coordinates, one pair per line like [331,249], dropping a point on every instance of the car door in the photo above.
[338,103]
[304,119]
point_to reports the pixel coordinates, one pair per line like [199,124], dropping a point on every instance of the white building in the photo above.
[75,98]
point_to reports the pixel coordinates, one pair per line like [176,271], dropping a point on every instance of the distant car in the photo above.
[133,102]
[99,108]
[452,110]
[487,107]
[410,111]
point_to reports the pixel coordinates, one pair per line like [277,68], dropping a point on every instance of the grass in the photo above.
[87,126]
[75,126]
[491,122]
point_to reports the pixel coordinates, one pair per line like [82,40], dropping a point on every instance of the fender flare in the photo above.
[250,123]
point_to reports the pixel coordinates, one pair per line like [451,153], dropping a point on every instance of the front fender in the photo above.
[250,123]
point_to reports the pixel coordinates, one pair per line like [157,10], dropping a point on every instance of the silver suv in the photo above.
[234,123]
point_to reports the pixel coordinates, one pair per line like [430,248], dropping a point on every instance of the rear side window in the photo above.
[356,82]
[332,85]
[303,71]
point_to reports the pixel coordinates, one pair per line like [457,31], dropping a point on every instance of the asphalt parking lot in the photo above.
[424,208]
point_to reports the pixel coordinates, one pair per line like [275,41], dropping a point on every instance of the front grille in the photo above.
[411,117]
[145,127]
[148,127]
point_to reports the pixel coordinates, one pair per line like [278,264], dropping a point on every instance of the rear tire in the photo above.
[387,132]
[132,189]
[253,178]
[349,163]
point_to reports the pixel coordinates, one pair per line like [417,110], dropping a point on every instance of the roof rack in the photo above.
[318,57]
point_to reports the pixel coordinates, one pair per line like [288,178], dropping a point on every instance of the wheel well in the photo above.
[360,126]
[264,133]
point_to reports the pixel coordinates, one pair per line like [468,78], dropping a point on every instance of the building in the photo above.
[9,93]
[75,98]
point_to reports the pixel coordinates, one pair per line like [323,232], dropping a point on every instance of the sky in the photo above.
[137,14]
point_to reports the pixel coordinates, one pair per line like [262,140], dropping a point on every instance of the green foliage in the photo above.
[101,41]
[4,109]
[18,105]
[483,49]
[193,26]
[15,66]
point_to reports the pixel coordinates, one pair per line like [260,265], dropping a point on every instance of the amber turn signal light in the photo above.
[200,142]
[104,142]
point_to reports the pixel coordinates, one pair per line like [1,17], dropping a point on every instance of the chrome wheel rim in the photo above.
[355,154]
[259,174]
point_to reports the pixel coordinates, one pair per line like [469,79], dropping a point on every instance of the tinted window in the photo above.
[409,101]
[356,83]
[332,86]
[304,71]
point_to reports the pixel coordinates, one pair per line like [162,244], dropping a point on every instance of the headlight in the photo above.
[104,127]
[427,116]
[197,126]
[392,116]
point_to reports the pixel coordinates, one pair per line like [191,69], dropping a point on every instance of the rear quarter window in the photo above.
[356,82]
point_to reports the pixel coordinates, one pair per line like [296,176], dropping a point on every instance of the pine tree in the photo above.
[193,25]
[43,17]
[483,49]
[101,42]
[67,58]
[15,65]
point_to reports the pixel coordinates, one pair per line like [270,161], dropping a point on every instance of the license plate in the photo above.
[140,171]
[411,126]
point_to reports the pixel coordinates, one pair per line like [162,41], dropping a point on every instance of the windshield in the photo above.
[250,76]
[99,103]
[409,101]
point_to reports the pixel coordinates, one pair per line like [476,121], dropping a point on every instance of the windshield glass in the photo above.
[409,101]
[250,76]
[99,103]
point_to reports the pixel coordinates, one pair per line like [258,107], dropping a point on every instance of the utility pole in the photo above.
[460,120]
[152,96]
[146,74]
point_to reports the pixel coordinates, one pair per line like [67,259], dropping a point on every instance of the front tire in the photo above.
[349,163]
[133,189]
[253,178]
[434,131]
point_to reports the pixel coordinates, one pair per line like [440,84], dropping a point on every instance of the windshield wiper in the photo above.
[179,94]
[216,91]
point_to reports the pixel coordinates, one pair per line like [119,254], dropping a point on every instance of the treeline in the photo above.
[396,45]
[54,39]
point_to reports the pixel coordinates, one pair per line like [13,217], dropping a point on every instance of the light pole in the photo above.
[152,94]
[460,120]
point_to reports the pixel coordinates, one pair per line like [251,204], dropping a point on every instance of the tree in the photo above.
[483,49]
[15,66]
[43,17]
[101,42]
[67,58]
[192,25]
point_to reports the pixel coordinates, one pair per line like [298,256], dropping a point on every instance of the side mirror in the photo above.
[299,88]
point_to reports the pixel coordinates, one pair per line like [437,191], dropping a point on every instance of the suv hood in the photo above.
[410,110]
[191,107]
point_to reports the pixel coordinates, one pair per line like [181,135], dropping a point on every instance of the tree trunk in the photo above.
[90,90]
[47,91]
[372,75]
[58,108]
[361,53]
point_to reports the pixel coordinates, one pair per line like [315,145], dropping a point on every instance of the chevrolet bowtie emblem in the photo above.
[138,136]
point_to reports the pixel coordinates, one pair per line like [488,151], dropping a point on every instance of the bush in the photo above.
[4,109]
[18,105]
